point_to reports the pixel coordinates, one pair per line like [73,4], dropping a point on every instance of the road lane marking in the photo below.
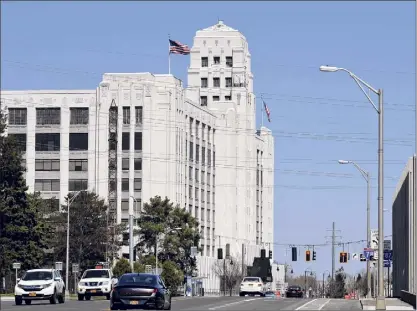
[233,303]
[322,306]
[306,304]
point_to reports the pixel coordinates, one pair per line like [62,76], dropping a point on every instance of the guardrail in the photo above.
[409,298]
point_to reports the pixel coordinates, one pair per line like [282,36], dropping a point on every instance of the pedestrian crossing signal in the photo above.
[308,256]
[343,257]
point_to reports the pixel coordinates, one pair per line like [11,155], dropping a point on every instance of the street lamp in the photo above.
[380,300]
[324,292]
[305,278]
[67,294]
[156,246]
[367,178]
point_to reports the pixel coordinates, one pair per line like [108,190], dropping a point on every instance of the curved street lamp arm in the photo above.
[364,173]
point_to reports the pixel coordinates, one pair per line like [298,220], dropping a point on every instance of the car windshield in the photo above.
[37,276]
[250,280]
[96,274]
[138,280]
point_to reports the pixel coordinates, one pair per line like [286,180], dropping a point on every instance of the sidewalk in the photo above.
[391,304]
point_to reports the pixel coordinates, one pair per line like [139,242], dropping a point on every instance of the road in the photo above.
[203,304]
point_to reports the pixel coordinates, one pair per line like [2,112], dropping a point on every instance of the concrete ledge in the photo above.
[391,304]
[409,298]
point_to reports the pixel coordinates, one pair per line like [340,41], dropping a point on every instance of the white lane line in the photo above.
[306,304]
[322,306]
[233,303]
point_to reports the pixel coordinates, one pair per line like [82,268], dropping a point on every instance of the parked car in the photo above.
[40,284]
[138,290]
[294,291]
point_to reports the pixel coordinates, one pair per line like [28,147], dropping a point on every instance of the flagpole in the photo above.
[169,55]
[262,113]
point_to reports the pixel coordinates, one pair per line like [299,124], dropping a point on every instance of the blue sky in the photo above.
[317,118]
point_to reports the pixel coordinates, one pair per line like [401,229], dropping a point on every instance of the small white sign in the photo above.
[355,256]
[16,265]
[387,245]
[374,239]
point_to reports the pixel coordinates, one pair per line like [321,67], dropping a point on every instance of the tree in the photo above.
[89,230]
[337,286]
[172,275]
[158,221]
[22,227]
[122,266]
[229,272]
[138,267]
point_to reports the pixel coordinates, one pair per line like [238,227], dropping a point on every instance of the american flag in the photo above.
[268,113]
[176,47]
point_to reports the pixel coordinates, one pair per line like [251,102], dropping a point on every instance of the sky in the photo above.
[317,118]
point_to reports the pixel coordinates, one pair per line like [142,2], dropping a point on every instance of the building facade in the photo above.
[140,135]
[404,224]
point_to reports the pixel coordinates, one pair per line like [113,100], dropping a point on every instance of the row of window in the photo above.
[77,141]
[190,153]
[80,165]
[210,196]
[80,184]
[217,61]
[52,116]
[197,129]
[216,82]
[216,98]
[197,176]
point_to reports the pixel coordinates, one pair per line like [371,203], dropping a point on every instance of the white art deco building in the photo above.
[138,135]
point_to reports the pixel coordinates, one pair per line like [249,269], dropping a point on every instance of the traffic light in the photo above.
[220,253]
[314,255]
[308,256]
[343,257]
[270,254]
[294,253]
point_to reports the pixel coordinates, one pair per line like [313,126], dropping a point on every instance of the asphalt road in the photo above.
[203,304]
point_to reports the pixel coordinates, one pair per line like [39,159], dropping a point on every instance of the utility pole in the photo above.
[334,243]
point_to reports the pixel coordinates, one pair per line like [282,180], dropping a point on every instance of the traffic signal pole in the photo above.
[333,249]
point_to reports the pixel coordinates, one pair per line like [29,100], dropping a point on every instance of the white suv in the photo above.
[40,284]
[95,282]
[252,285]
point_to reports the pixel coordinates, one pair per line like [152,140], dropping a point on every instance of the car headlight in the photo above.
[105,283]
[82,284]
[46,285]
[20,286]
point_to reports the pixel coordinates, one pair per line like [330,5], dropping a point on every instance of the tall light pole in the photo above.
[324,291]
[67,294]
[156,246]
[380,300]
[367,178]
[131,259]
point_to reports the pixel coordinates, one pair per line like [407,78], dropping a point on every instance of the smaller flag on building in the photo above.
[176,47]
[268,113]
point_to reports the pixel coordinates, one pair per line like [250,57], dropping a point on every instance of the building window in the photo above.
[229,61]
[204,62]
[208,178]
[228,82]
[138,115]
[17,116]
[202,177]
[196,175]
[190,191]
[216,82]
[204,83]
[77,184]
[208,157]
[216,60]
[47,185]
[203,155]
[20,140]
[78,141]
[190,172]
[125,205]
[228,98]
[196,193]
[78,165]
[203,101]
[137,183]
[47,165]
[125,164]
[50,205]
[138,141]
[197,153]
[125,184]
[48,116]
[191,151]
[79,116]
[214,158]
[138,164]
[202,197]
[216,98]
[208,197]
[125,141]
[126,115]
[48,142]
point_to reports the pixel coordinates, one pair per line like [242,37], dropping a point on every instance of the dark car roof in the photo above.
[294,286]
[141,274]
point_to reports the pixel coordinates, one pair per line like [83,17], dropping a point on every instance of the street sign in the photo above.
[75,268]
[387,244]
[387,263]
[362,257]
[17,265]
[148,268]
[367,252]
[355,256]
[374,239]
[387,254]
[58,266]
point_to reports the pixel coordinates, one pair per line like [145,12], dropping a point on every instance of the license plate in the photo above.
[134,302]
[32,294]
[250,284]
[93,291]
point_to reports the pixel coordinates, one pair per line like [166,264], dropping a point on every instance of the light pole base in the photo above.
[380,303]
[67,294]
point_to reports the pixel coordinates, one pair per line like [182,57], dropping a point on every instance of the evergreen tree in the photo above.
[22,228]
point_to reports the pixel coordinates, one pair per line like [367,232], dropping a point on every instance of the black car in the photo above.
[294,291]
[139,290]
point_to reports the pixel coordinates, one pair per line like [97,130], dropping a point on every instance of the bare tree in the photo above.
[230,273]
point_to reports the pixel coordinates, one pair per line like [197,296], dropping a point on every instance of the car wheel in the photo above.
[61,298]
[108,296]
[80,297]
[28,302]
[159,303]
[18,300]
[113,306]
[168,307]
[88,298]
[53,299]
[242,294]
